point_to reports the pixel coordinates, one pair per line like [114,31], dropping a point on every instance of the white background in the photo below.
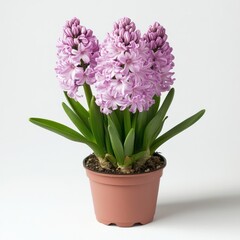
[44,192]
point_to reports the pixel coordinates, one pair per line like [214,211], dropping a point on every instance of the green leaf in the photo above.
[176,130]
[59,129]
[154,108]
[111,159]
[108,142]
[140,155]
[120,116]
[129,143]
[78,109]
[116,142]
[127,121]
[156,122]
[140,127]
[134,117]
[160,128]
[115,120]
[65,132]
[88,93]
[97,124]
[78,122]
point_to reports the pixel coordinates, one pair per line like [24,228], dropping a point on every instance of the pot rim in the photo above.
[127,174]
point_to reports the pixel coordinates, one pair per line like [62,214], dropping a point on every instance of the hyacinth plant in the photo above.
[129,72]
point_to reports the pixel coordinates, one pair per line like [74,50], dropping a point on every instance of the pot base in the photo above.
[125,224]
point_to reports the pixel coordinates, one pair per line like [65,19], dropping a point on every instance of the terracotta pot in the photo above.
[125,200]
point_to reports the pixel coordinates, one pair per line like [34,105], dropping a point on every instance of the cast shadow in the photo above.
[198,206]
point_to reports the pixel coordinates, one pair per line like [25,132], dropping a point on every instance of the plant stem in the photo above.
[88,93]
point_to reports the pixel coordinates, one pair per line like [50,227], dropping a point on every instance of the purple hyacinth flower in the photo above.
[77,53]
[122,70]
[162,58]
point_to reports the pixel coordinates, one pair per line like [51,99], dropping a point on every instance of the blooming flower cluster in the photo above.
[128,69]
[123,69]
[161,55]
[77,53]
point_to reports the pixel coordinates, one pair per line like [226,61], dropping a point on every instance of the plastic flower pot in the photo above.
[127,199]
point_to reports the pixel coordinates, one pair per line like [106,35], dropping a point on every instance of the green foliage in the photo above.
[127,121]
[176,130]
[78,109]
[97,124]
[78,122]
[129,143]
[122,138]
[65,132]
[116,142]
[59,129]
[141,123]
[154,127]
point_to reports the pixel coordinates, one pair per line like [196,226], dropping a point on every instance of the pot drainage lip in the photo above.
[137,224]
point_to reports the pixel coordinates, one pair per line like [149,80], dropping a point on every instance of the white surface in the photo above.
[44,192]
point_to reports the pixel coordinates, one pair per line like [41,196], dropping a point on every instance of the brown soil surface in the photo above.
[154,163]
